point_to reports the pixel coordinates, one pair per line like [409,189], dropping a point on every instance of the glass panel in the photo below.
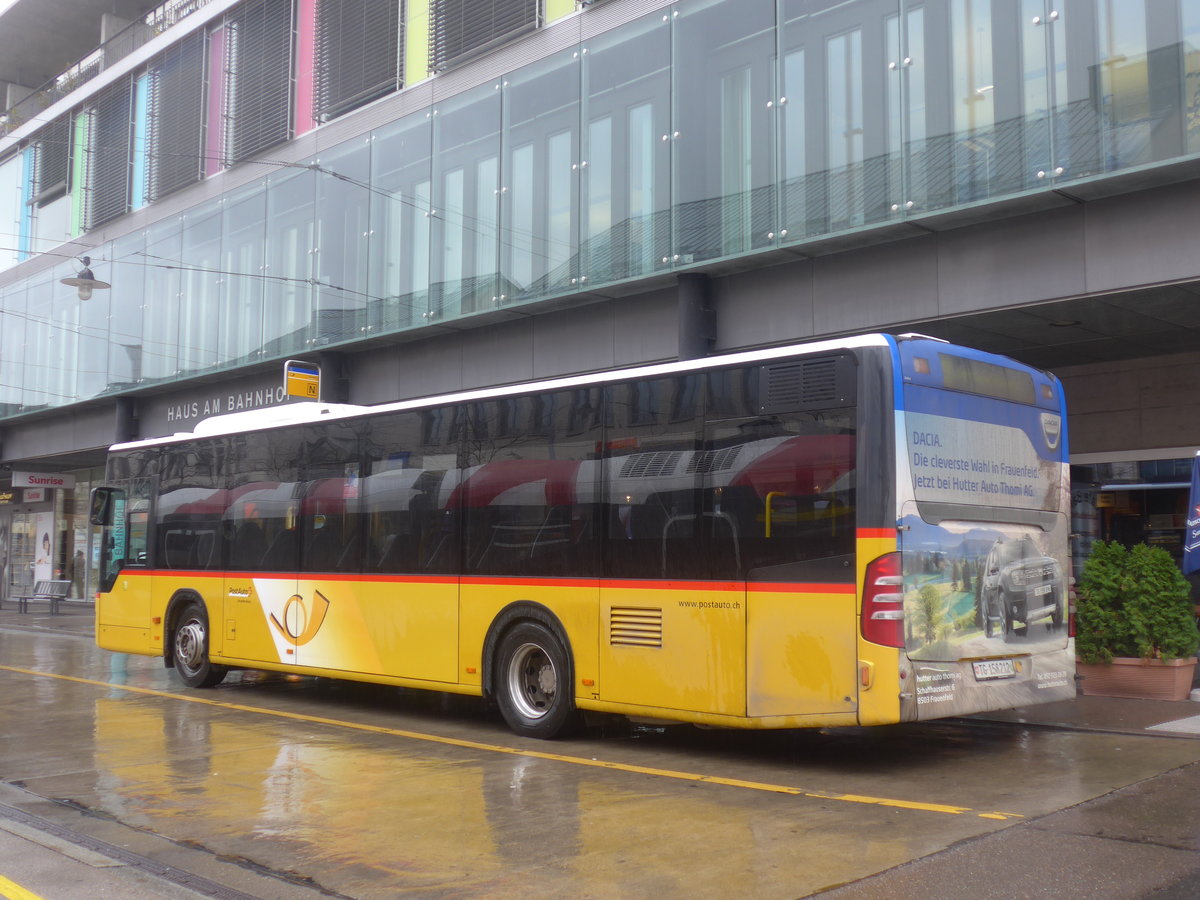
[243,246]
[287,293]
[96,322]
[1124,83]
[1043,60]
[723,163]
[540,183]
[1191,85]
[464,251]
[62,337]
[10,211]
[201,289]
[626,183]
[160,323]
[844,125]
[974,95]
[125,357]
[343,203]
[38,351]
[12,349]
[920,157]
[1074,82]
[399,240]
[794,152]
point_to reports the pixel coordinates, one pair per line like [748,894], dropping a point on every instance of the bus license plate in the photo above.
[994,668]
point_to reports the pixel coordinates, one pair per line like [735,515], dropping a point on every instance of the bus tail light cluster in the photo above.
[883,601]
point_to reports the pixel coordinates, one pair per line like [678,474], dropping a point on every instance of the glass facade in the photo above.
[709,130]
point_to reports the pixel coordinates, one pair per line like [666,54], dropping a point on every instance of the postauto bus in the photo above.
[860,531]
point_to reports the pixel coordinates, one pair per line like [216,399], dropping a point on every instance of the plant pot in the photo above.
[1138,679]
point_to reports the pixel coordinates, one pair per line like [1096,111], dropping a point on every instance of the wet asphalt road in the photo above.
[117,781]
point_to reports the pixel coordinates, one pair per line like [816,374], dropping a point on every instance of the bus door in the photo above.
[795,494]
[123,620]
[673,609]
[262,620]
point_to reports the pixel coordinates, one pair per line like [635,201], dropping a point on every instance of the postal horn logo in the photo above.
[1051,429]
[300,624]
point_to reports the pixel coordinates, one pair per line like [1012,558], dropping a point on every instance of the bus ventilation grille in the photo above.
[806,384]
[635,626]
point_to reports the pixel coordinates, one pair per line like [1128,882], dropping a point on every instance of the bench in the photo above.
[53,591]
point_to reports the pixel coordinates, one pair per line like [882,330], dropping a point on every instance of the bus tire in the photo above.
[189,648]
[533,682]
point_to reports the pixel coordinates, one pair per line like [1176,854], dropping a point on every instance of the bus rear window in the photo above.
[987,379]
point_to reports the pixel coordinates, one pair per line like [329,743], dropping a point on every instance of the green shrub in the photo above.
[1133,603]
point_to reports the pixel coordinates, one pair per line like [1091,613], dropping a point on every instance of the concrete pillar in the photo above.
[335,382]
[127,427]
[697,321]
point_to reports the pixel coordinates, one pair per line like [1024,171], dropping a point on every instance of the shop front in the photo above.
[1132,502]
[44,532]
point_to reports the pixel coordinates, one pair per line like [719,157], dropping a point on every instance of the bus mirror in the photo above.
[101,512]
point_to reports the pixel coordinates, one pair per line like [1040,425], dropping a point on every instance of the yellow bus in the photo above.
[861,531]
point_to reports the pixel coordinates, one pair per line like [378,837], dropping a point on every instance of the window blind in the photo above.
[461,28]
[359,53]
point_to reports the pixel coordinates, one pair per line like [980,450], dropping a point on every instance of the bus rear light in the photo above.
[883,601]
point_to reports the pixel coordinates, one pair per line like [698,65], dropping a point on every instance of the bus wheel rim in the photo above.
[532,681]
[189,644]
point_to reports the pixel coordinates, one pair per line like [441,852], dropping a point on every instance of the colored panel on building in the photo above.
[306,58]
[416,42]
[141,126]
[214,147]
[556,9]
[79,144]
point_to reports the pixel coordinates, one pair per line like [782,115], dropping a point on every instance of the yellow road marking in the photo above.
[13,891]
[535,754]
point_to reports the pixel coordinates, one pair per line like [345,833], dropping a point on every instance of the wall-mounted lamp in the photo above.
[85,281]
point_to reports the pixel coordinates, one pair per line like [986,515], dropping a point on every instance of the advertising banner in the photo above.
[43,561]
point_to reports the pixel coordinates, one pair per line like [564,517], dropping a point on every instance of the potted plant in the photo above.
[1135,627]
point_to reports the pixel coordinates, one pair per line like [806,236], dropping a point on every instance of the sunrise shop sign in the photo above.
[42,480]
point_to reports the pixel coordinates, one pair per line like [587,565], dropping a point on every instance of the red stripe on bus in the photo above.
[866,533]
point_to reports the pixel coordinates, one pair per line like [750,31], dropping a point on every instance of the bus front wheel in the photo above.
[533,682]
[189,648]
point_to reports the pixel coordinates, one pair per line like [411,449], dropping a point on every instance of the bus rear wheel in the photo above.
[189,648]
[533,683]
